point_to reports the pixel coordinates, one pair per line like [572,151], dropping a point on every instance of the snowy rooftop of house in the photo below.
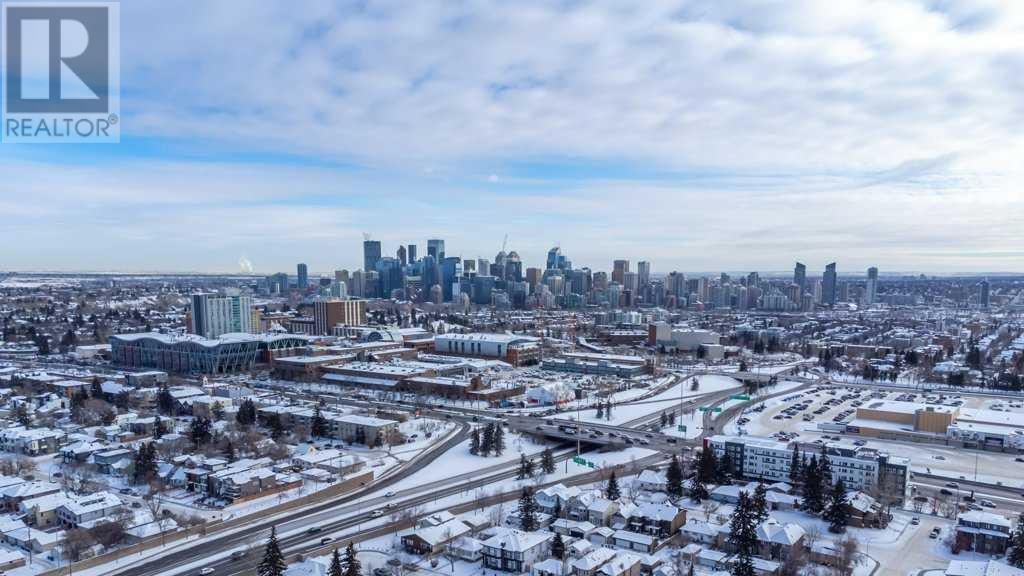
[513,540]
[981,568]
[486,337]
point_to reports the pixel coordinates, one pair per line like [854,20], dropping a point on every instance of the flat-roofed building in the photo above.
[516,350]
[330,313]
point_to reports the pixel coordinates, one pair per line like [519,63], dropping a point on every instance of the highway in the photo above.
[215,543]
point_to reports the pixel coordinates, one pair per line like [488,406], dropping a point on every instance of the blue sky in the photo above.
[700,135]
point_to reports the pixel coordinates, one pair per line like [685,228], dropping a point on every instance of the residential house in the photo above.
[510,550]
[653,481]
[14,494]
[433,539]
[645,543]
[662,520]
[589,564]
[983,532]
[87,511]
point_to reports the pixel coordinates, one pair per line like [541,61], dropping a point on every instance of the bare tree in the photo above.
[847,558]
[709,507]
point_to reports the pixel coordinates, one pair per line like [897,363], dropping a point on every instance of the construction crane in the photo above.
[504,242]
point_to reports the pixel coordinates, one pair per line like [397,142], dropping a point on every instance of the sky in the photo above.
[700,135]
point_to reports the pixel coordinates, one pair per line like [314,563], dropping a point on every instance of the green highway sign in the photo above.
[710,409]
[681,428]
[583,462]
[740,397]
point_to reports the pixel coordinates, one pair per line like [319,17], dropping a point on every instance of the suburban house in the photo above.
[87,511]
[433,539]
[510,550]
[983,532]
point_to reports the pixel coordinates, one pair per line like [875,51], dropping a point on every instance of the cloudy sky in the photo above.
[700,135]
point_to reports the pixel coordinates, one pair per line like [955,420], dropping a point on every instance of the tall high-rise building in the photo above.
[556,260]
[400,254]
[643,272]
[533,278]
[800,276]
[411,253]
[371,254]
[217,314]
[302,277]
[451,273]
[619,269]
[329,313]
[435,248]
[391,276]
[984,299]
[871,287]
[829,286]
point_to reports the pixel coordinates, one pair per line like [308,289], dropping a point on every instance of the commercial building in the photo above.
[516,350]
[194,354]
[217,314]
[684,339]
[329,313]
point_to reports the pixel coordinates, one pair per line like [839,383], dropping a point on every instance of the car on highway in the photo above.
[987,503]
[377,513]
[326,539]
[945,492]
[314,529]
[915,521]
[389,494]
[206,571]
[935,533]
[238,554]
[952,485]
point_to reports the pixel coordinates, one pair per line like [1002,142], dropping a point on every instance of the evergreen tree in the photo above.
[158,427]
[318,426]
[1015,555]
[608,410]
[664,419]
[547,461]
[558,547]
[743,536]
[351,561]
[600,409]
[723,469]
[22,415]
[706,466]
[474,441]
[523,467]
[796,466]
[229,451]
[276,426]
[199,431]
[837,513]
[611,490]
[273,563]
[246,415]
[759,503]
[96,388]
[335,569]
[812,488]
[671,418]
[164,400]
[527,510]
[531,468]
[824,469]
[499,439]
[556,512]
[674,478]
[488,442]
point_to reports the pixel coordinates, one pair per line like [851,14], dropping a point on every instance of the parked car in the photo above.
[935,533]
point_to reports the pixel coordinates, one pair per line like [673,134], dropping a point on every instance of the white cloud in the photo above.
[873,131]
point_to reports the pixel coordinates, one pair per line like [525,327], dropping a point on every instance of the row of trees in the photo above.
[273,562]
[490,441]
[527,468]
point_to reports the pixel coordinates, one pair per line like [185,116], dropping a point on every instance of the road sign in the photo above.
[710,409]
[740,397]
[583,462]
[681,428]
